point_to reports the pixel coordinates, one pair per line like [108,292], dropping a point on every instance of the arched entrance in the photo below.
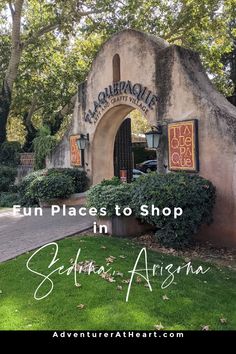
[104,140]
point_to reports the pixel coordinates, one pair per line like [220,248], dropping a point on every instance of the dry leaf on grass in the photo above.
[122,257]
[110,259]
[126,281]
[205,328]
[107,277]
[119,274]
[81,306]
[223,320]
[138,280]
[159,327]
[103,247]
[165,297]
[119,287]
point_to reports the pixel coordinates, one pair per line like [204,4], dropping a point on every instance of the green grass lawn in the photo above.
[193,300]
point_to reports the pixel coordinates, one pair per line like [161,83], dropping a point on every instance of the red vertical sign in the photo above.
[75,154]
[182,146]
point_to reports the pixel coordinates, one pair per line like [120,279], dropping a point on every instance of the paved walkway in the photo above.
[19,234]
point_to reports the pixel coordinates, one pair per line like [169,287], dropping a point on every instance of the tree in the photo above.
[32,20]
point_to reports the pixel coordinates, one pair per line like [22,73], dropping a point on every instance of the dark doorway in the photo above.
[123,151]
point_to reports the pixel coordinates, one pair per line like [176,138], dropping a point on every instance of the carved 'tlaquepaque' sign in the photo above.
[183,145]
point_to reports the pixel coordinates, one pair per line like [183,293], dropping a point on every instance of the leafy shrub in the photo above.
[79,177]
[194,194]
[7,177]
[114,181]
[27,197]
[10,153]
[29,192]
[108,196]
[7,200]
[52,186]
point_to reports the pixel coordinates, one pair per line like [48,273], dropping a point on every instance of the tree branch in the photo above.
[52,26]
[11,8]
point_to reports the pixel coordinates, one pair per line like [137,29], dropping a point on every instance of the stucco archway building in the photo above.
[166,83]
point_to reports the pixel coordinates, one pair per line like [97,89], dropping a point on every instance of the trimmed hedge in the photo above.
[79,177]
[50,184]
[194,194]
[107,196]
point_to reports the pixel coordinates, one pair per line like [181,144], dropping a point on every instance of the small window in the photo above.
[116,68]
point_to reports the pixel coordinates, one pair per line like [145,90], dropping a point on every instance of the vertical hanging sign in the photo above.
[183,146]
[75,153]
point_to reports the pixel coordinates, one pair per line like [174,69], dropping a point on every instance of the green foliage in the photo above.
[10,153]
[26,195]
[79,177]
[108,196]
[7,177]
[194,194]
[43,145]
[52,186]
[7,200]
[114,181]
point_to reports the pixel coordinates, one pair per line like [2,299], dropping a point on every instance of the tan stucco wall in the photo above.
[185,92]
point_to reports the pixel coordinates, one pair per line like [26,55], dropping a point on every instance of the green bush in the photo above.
[29,192]
[114,181]
[194,194]
[26,194]
[10,153]
[7,200]
[79,177]
[52,186]
[7,177]
[108,196]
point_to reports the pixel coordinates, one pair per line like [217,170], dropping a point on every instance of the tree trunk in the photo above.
[12,69]
[5,103]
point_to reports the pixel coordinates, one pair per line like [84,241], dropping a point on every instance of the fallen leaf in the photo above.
[110,259]
[165,297]
[159,327]
[126,281]
[81,306]
[138,280]
[205,328]
[71,260]
[0,291]
[111,280]
[121,256]
[119,287]
[223,320]
[119,274]
[103,247]
[187,260]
